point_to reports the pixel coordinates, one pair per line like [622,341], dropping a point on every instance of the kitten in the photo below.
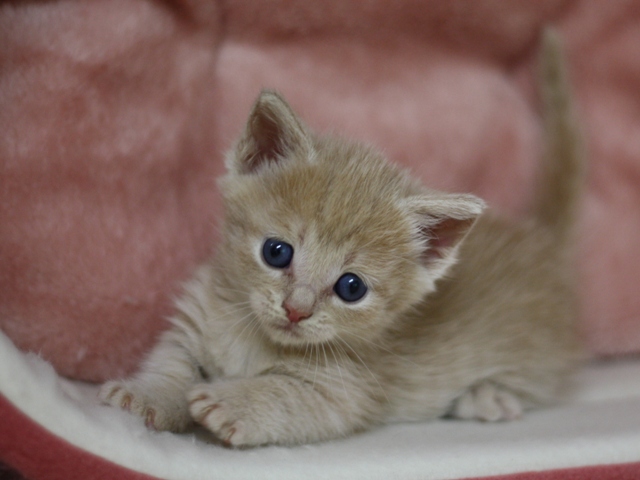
[344,294]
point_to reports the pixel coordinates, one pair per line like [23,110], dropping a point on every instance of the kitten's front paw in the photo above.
[487,402]
[226,412]
[159,413]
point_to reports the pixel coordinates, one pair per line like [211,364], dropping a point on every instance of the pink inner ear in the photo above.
[269,139]
[444,235]
[268,143]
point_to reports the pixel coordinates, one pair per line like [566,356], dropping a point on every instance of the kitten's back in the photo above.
[506,312]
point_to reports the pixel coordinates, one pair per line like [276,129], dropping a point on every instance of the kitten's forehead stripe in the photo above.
[349,193]
[349,259]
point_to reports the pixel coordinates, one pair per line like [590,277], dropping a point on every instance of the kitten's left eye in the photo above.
[350,287]
[277,253]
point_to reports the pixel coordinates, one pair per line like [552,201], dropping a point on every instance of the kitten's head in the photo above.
[325,239]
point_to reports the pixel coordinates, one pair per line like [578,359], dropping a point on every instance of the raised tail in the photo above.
[562,177]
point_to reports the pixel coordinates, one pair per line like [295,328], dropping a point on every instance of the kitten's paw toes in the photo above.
[120,395]
[127,396]
[228,421]
[489,403]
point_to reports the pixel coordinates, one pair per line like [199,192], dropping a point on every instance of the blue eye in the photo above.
[350,287]
[277,253]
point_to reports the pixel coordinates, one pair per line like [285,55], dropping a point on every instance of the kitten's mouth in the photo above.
[294,334]
[291,329]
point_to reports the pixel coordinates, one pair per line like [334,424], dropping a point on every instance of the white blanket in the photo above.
[599,425]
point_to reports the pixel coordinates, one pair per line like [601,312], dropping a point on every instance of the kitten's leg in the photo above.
[279,409]
[157,392]
[488,402]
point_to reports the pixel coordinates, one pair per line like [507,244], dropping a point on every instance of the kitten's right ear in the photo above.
[272,132]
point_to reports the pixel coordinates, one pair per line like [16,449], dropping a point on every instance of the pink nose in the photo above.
[294,315]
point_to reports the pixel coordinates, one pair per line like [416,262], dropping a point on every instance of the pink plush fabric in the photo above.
[115,115]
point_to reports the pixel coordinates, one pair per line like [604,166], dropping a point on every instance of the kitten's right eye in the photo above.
[277,253]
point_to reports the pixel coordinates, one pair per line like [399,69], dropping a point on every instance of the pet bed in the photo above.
[115,115]
[55,429]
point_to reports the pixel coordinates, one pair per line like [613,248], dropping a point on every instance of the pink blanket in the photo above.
[115,116]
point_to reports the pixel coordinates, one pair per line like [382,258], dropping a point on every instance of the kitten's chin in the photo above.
[292,334]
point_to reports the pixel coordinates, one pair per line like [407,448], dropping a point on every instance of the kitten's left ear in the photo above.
[441,222]
[273,131]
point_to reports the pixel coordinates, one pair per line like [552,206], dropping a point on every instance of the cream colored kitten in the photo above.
[342,294]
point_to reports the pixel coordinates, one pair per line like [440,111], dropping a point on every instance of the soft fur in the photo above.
[485,338]
[116,114]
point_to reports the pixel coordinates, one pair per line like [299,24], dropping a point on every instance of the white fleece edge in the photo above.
[600,425]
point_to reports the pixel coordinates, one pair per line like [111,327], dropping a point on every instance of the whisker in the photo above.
[241,319]
[234,306]
[382,348]
[229,289]
[365,366]
[250,322]
[326,362]
[185,319]
[368,385]
[252,332]
[306,350]
[224,312]
[344,386]
[315,348]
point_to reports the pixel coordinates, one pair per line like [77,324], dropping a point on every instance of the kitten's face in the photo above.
[309,244]
[322,238]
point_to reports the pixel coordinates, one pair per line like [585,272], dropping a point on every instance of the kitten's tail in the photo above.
[562,179]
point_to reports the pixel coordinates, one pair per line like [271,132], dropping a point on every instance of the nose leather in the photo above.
[299,304]
[294,315]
